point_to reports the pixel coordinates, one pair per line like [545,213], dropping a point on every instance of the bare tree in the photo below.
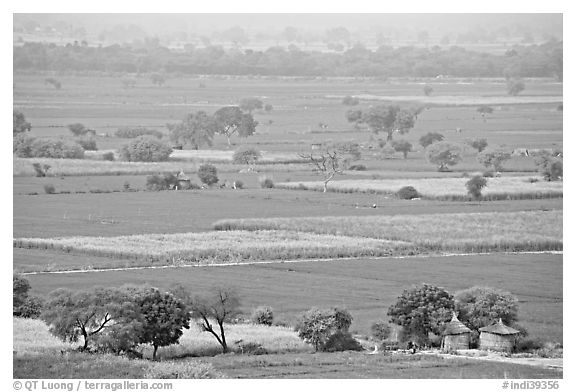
[327,164]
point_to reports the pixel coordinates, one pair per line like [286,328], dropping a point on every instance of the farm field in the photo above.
[366,287]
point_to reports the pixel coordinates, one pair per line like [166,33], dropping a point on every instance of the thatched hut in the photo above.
[498,337]
[182,181]
[456,336]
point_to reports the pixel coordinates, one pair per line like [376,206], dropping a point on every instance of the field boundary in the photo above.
[265,262]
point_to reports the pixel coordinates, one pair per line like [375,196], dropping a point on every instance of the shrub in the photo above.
[251,348]
[157,182]
[145,149]
[478,144]
[108,156]
[381,330]
[475,186]
[31,308]
[87,144]
[481,306]
[40,170]
[494,159]
[429,138]
[263,315]
[49,189]
[208,174]
[488,174]
[357,168]
[402,146]
[342,341]
[350,101]
[246,155]
[20,125]
[78,129]
[316,326]
[22,145]
[407,193]
[443,154]
[56,148]
[550,167]
[266,182]
[134,132]
[22,304]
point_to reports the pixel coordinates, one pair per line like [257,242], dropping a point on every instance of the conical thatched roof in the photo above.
[499,329]
[455,327]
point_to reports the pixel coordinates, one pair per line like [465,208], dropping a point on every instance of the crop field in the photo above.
[442,188]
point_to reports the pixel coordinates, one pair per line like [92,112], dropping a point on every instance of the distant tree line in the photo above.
[543,60]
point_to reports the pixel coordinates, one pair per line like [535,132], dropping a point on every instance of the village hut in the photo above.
[498,337]
[182,181]
[456,336]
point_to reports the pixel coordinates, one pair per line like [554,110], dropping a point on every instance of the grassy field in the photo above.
[442,188]
[218,247]
[365,287]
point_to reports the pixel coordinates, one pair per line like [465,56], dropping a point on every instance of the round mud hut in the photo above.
[498,337]
[456,336]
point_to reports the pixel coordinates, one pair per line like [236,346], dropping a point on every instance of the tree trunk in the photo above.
[325,186]
[228,138]
[154,353]
[223,337]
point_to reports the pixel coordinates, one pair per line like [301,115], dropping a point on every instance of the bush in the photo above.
[381,330]
[145,149]
[475,186]
[493,158]
[134,132]
[317,326]
[342,341]
[49,189]
[488,174]
[407,193]
[550,167]
[246,155]
[208,174]
[22,145]
[263,315]
[444,154]
[430,138]
[40,170]
[20,124]
[78,129]
[22,304]
[350,101]
[87,144]
[251,348]
[25,147]
[31,308]
[108,156]
[266,182]
[357,168]
[163,182]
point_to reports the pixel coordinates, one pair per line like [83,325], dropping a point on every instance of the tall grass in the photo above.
[219,247]
[466,232]
[451,188]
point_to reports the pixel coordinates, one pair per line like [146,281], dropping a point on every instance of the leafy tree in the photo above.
[54,148]
[478,144]
[20,288]
[327,164]
[422,309]
[429,138]
[428,90]
[381,330]
[550,167]
[230,120]
[316,326]
[250,104]
[246,155]
[390,119]
[478,307]
[515,86]
[402,146]
[196,129]
[263,315]
[444,154]
[134,132]
[493,158]
[20,124]
[145,149]
[475,186]
[22,145]
[88,144]
[221,306]
[208,174]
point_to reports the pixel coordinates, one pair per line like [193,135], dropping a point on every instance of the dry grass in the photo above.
[439,188]
[227,155]
[218,247]
[32,337]
[478,232]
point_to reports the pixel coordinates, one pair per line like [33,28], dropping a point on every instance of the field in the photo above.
[300,248]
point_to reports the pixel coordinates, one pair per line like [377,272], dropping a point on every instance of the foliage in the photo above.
[381,330]
[162,182]
[475,185]
[355,116]
[484,110]
[350,100]
[208,174]
[250,104]
[246,155]
[390,119]
[515,86]
[316,326]
[351,150]
[145,149]
[88,144]
[478,307]
[478,144]
[444,154]
[196,129]
[263,315]
[402,146]
[342,341]
[31,308]
[230,120]
[49,189]
[494,159]
[134,132]
[78,129]
[20,125]
[266,182]
[550,167]
[429,138]
[22,145]
[357,167]
[408,193]
[422,309]
[20,297]
[56,148]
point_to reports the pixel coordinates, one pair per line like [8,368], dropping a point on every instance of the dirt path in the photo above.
[547,363]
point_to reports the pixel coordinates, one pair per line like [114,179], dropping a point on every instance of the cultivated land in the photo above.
[101,209]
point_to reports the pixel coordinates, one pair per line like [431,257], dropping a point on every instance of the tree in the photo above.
[493,158]
[20,125]
[478,144]
[478,307]
[163,318]
[208,174]
[444,154]
[429,138]
[222,306]
[78,129]
[550,167]
[317,326]
[402,146]
[196,129]
[475,186]
[230,120]
[355,116]
[390,119]
[428,90]
[327,164]
[246,155]
[145,149]
[250,104]
[24,305]
[422,309]
[515,86]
